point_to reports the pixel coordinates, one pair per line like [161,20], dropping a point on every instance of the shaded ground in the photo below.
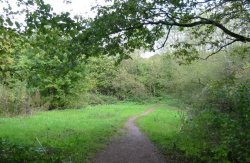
[133,147]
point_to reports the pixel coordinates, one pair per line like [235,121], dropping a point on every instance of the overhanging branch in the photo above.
[220,48]
[203,21]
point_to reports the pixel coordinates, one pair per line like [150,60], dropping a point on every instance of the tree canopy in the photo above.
[126,25]
[213,24]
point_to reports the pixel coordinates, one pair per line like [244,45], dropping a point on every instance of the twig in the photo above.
[40,144]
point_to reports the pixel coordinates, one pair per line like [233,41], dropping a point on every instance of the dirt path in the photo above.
[133,147]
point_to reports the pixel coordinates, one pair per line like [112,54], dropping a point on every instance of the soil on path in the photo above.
[133,147]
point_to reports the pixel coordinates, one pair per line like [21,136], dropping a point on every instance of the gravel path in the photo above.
[133,147]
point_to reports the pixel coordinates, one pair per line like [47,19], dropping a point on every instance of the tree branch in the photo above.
[169,30]
[227,31]
[203,21]
[219,49]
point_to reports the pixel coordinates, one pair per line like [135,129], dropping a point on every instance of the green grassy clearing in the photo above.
[73,135]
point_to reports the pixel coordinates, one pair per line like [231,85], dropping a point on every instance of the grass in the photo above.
[68,135]
[162,127]
[76,135]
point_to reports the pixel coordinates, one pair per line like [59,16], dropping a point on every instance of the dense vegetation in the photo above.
[56,61]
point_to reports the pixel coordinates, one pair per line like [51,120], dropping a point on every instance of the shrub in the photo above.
[18,100]
[218,130]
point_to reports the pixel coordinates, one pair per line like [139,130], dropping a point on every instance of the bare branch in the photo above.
[217,51]
[164,43]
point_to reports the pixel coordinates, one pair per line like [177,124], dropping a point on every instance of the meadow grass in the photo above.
[69,135]
[162,126]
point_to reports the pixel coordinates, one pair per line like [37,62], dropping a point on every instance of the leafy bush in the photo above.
[128,88]
[18,100]
[218,130]
[96,99]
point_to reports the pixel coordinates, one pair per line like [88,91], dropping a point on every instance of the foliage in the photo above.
[127,87]
[127,25]
[135,79]
[214,130]
[96,99]
[220,124]
[218,98]
[41,52]
[47,52]
[100,72]
[48,69]
[18,100]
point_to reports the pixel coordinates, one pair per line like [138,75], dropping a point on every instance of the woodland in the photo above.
[68,83]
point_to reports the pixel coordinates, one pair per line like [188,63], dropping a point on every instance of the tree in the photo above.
[42,52]
[99,73]
[131,24]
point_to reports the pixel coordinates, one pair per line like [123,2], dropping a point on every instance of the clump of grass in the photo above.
[163,127]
